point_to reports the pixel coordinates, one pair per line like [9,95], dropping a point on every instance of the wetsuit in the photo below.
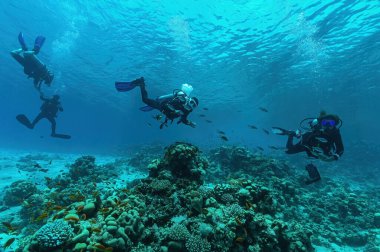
[49,110]
[172,108]
[329,141]
[33,67]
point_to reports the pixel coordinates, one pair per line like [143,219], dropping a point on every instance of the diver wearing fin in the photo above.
[322,139]
[33,67]
[176,105]
[49,110]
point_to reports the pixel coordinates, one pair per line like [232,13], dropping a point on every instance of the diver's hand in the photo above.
[336,156]
[192,124]
[326,158]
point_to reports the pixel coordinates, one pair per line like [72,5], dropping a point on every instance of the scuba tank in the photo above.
[187,89]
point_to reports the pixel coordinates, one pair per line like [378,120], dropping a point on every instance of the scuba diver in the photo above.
[322,139]
[33,67]
[179,104]
[49,110]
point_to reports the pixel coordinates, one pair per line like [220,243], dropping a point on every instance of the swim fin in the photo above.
[38,43]
[314,175]
[63,136]
[22,41]
[124,86]
[25,121]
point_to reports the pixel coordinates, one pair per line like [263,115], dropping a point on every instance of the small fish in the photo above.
[263,109]
[149,124]
[125,190]
[29,194]
[43,170]
[248,205]
[208,121]
[43,216]
[8,226]
[96,230]
[50,162]
[202,115]
[37,165]
[221,132]
[321,139]
[224,138]
[260,148]
[266,131]
[19,171]
[273,147]
[103,248]
[57,208]
[60,170]
[252,126]
[105,210]
[9,243]
[205,109]
[157,117]
[72,218]
[80,208]
[240,240]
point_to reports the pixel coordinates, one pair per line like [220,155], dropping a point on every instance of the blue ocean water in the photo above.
[292,57]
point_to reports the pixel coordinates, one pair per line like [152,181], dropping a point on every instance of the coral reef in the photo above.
[182,160]
[142,158]
[52,235]
[259,204]
[83,166]
[18,191]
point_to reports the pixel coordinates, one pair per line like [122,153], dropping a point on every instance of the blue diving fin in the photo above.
[38,43]
[124,86]
[22,41]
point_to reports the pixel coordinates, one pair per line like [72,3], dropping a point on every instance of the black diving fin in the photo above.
[314,175]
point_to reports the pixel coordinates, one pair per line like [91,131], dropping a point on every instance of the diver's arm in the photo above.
[60,107]
[186,121]
[43,98]
[339,144]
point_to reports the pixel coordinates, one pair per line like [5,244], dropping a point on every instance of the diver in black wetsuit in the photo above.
[49,110]
[33,67]
[178,105]
[323,142]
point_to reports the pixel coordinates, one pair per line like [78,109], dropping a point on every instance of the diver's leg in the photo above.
[294,148]
[37,83]
[37,119]
[289,143]
[53,125]
[16,55]
[150,102]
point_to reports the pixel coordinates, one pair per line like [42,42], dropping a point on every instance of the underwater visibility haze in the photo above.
[111,177]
